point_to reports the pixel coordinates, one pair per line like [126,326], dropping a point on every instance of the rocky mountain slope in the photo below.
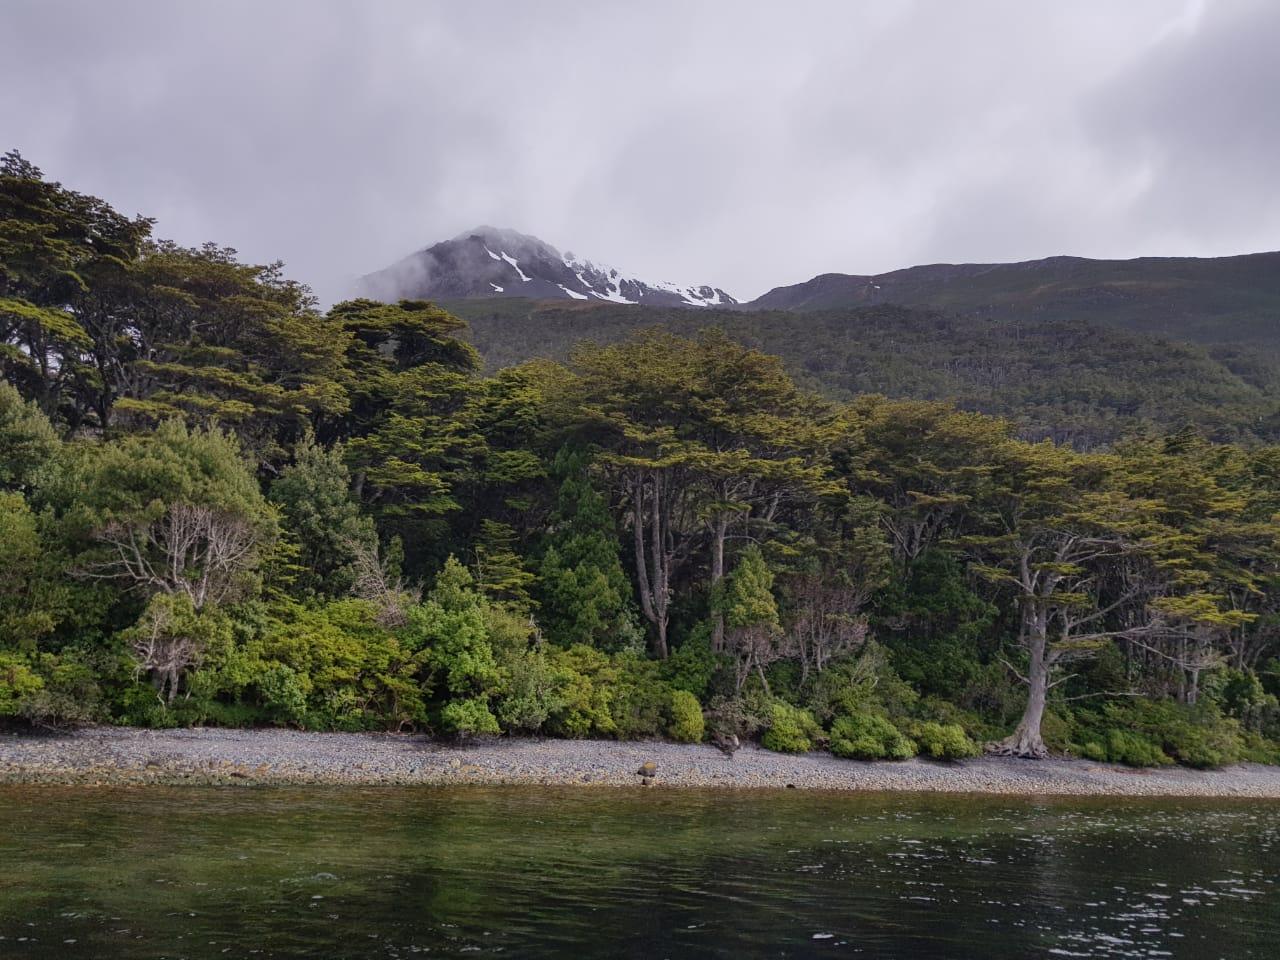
[488,262]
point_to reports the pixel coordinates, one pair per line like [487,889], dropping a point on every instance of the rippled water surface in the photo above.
[646,873]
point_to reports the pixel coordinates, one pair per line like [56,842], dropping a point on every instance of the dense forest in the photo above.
[1069,380]
[222,505]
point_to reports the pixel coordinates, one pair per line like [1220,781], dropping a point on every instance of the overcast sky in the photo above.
[744,144]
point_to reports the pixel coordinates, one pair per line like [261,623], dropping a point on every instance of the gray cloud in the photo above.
[745,144]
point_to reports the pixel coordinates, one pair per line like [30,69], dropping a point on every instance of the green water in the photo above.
[646,873]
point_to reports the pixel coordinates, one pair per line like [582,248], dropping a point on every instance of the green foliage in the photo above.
[469,716]
[747,599]
[1071,379]
[869,736]
[33,596]
[18,684]
[451,631]
[193,459]
[500,571]
[1131,749]
[588,684]
[319,514]
[177,510]
[329,667]
[1152,732]
[28,442]
[686,723]
[693,665]
[583,591]
[530,692]
[791,729]
[943,741]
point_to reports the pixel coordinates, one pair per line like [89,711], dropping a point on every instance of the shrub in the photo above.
[1198,736]
[944,741]
[640,700]
[530,690]
[743,716]
[349,672]
[1093,750]
[283,698]
[868,736]
[686,724]
[692,665]
[463,717]
[586,681]
[791,729]
[1134,750]
[18,684]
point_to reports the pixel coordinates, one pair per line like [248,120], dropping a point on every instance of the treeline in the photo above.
[219,504]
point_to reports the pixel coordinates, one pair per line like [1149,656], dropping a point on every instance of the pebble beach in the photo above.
[115,755]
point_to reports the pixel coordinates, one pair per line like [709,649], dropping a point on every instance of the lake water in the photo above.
[331,873]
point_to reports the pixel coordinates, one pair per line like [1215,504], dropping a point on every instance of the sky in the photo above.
[732,142]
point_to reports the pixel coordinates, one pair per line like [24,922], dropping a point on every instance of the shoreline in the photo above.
[274,757]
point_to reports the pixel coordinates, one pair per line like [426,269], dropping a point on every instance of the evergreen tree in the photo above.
[319,513]
[584,592]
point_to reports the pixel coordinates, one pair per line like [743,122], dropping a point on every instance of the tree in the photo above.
[412,440]
[55,245]
[500,571]
[451,631]
[28,443]
[835,583]
[177,512]
[33,598]
[926,461]
[750,613]
[1065,543]
[694,434]
[318,512]
[196,334]
[583,591]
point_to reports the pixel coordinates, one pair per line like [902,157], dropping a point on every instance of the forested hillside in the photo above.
[1069,380]
[220,504]
[1207,300]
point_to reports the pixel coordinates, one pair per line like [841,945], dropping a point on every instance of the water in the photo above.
[358,873]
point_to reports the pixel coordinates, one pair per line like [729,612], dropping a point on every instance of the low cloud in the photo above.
[746,144]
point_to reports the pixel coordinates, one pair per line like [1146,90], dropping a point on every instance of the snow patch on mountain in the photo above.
[487,262]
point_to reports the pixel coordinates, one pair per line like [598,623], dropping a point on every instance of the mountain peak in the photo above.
[499,262]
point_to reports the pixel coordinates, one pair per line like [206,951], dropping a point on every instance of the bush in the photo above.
[463,717]
[743,716]
[1093,750]
[1134,750]
[1149,732]
[692,665]
[18,684]
[686,724]
[283,698]
[791,729]
[944,741]
[586,681]
[530,691]
[640,701]
[865,683]
[330,667]
[868,736]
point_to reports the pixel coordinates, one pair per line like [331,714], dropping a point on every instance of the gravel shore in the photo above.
[112,755]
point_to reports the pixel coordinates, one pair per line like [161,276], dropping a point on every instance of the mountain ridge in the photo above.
[1202,299]
[1233,299]
[492,262]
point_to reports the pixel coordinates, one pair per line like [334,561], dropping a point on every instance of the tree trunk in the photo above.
[651,570]
[1026,741]
[719,530]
